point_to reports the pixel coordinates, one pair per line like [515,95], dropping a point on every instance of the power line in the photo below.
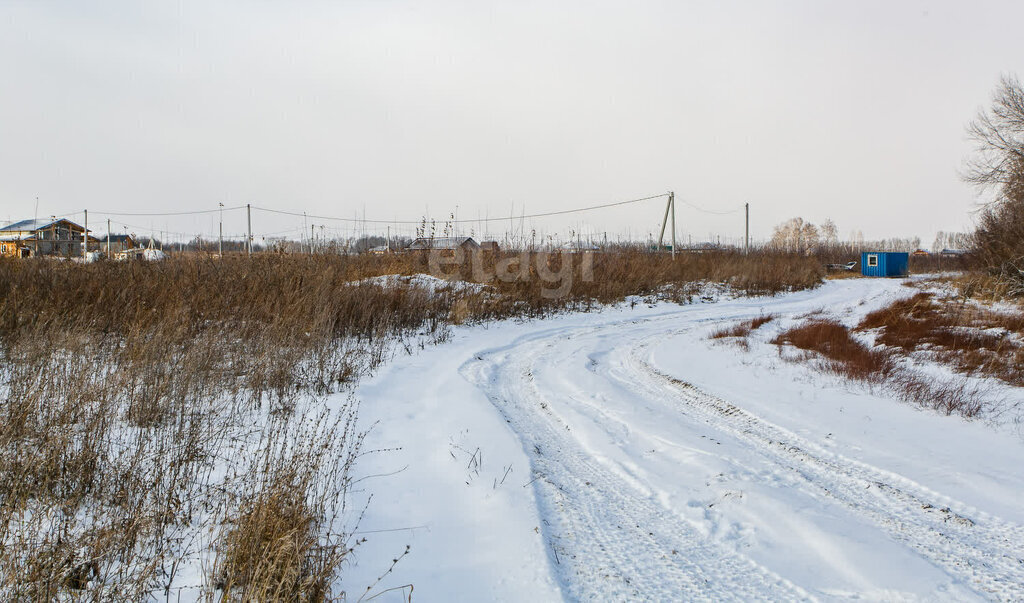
[164,231]
[411,222]
[467,221]
[172,213]
[711,211]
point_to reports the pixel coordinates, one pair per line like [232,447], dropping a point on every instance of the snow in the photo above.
[621,454]
[423,281]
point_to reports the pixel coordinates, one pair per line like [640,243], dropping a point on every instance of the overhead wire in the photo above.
[164,231]
[172,213]
[377,221]
[710,211]
[356,220]
[465,221]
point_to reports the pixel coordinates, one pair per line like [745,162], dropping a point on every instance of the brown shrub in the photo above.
[953,332]
[844,355]
[744,328]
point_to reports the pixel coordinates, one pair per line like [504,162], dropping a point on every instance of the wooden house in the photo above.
[43,237]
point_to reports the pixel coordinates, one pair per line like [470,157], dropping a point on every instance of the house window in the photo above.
[872,260]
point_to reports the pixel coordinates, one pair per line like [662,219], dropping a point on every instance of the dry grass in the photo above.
[968,337]
[161,416]
[743,329]
[844,354]
[840,353]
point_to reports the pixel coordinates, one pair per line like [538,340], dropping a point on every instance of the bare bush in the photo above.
[841,354]
[744,328]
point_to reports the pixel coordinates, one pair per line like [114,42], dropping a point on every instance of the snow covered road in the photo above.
[622,455]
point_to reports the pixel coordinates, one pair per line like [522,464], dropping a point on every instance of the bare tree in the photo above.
[795,235]
[829,233]
[998,133]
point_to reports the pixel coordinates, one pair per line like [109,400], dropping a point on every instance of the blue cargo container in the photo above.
[884,263]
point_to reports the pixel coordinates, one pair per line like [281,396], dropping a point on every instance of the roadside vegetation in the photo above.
[977,332]
[972,338]
[183,427]
[830,346]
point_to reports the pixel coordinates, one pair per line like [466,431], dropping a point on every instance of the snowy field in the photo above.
[622,455]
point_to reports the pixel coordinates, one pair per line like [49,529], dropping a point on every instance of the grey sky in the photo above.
[852,111]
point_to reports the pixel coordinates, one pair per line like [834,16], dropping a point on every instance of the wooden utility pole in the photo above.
[85,237]
[664,222]
[220,234]
[672,200]
[108,238]
[670,207]
[248,219]
[746,230]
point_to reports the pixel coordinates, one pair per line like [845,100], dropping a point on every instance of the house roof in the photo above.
[17,237]
[35,224]
[116,238]
[442,243]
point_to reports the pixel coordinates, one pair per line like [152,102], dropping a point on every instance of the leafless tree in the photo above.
[829,233]
[998,164]
[998,134]
[795,235]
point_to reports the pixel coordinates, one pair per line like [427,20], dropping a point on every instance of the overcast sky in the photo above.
[853,111]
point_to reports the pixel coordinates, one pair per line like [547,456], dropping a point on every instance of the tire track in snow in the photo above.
[984,551]
[608,539]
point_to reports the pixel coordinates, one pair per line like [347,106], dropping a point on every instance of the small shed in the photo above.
[884,263]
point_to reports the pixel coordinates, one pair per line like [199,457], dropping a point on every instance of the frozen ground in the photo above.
[623,455]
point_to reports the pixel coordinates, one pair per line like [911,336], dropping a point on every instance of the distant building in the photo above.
[134,253]
[118,242]
[150,252]
[444,243]
[884,263]
[39,237]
